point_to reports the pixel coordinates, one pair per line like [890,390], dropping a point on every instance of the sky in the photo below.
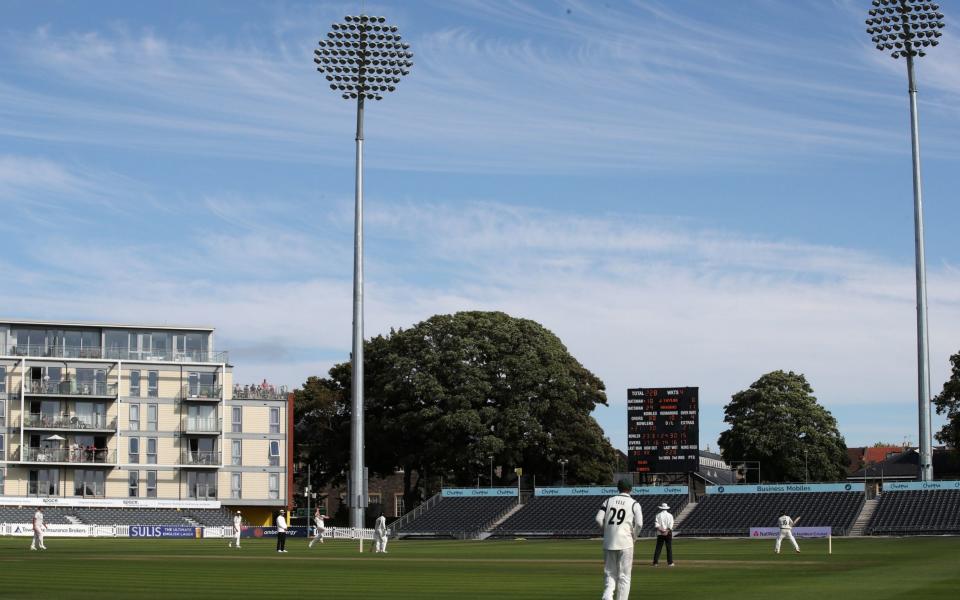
[688,193]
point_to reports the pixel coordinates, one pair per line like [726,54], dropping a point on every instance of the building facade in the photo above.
[146,415]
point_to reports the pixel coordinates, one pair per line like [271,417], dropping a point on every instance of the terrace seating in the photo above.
[573,516]
[916,512]
[454,517]
[735,514]
[24,514]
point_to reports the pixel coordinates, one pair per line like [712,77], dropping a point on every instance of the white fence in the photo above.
[58,530]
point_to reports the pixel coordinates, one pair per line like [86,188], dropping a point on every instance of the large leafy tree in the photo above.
[448,393]
[948,403]
[778,422]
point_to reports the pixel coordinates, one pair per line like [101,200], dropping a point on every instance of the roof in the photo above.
[905,465]
[880,453]
[101,325]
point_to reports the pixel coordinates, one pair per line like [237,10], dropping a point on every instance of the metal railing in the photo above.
[259,392]
[69,387]
[201,391]
[69,421]
[200,458]
[67,455]
[202,425]
[56,351]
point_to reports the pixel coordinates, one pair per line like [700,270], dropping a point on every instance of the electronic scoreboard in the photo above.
[663,430]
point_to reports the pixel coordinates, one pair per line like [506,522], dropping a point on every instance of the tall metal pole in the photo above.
[356,413]
[923,348]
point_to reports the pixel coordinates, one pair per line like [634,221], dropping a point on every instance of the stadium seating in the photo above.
[24,514]
[119,516]
[573,516]
[735,514]
[458,517]
[916,512]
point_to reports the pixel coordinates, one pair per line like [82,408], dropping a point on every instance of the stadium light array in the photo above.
[362,58]
[905,29]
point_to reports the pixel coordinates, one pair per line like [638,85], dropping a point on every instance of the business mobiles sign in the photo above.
[165,531]
[479,493]
[912,486]
[652,490]
[801,532]
[781,488]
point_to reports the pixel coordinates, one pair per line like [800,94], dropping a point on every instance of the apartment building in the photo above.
[134,415]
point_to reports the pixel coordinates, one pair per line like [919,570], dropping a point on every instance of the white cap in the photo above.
[664,506]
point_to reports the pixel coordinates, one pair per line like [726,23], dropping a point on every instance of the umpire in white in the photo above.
[664,524]
[621,519]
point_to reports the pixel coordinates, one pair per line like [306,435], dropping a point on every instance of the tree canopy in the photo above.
[454,390]
[948,403]
[778,422]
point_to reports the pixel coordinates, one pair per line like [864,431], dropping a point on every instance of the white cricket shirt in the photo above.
[785,522]
[281,524]
[663,522]
[621,519]
[38,520]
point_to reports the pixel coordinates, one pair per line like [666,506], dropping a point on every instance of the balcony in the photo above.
[200,458]
[201,392]
[78,456]
[259,392]
[95,389]
[114,354]
[202,425]
[70,422]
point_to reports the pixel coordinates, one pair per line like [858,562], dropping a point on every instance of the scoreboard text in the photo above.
[663,429]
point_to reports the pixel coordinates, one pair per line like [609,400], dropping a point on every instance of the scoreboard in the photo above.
[663,430]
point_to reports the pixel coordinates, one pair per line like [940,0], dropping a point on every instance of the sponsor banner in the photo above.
[51,530]
[107,502]
[912,486]
[780,488]
[649,490]
[165,531]
[800,532]
[247,531]
[478,492]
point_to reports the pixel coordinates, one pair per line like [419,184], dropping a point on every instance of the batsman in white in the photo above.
[38,529]
[318,527]
[380,534]
[237,523]
[621,519]
[786,531]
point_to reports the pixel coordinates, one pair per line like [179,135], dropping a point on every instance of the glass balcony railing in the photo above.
[202,425]
[260,392]
[70,388]
[43,351]
[201,391]
[70,421]
[67,455]
[200,458]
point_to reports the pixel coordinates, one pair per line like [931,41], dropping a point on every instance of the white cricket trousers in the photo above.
[617,567]
[236,536]
[318,537]
[380,542]
[786,533]
[37,539]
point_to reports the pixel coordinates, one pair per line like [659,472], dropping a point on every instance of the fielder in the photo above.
[380,534]
[319,528]
[786,531]
[621,519]
[38,529]
[237,522]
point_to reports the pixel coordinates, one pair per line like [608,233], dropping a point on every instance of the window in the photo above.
[3,413]
[236,452]
[3,380]
[274,420]
[151,451]
[151,417]
[202,485]
[135,384]
[235,485]
[88,482]
[399,505]
[134,484]
[44,482]
[274,486]
[3,447]
[153,383]
[373,499]
[134,417]
[274,453]
[3,477]
[134,451]
[237,421]
[151,484]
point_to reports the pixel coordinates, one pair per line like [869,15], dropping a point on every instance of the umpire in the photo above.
[664,525]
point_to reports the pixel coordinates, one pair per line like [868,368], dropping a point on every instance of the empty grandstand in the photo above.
[917,511]
[458,517]
[733,510]
[75,515]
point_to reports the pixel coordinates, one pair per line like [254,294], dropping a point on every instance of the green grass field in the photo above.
[106,569]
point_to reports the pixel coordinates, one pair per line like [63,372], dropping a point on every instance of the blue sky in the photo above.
[686,192]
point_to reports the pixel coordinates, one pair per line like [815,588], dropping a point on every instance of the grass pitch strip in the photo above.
[106,569]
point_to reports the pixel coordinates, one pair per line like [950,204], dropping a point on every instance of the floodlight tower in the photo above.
[362,58]
[905,28]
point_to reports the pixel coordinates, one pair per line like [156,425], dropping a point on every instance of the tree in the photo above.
[948,403]
[450,392]
[778,422]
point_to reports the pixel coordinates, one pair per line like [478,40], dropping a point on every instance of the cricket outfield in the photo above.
[106,569]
